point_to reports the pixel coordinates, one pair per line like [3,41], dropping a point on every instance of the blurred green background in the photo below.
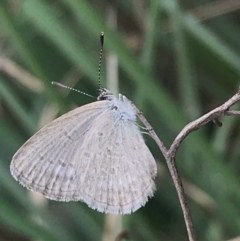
[177,60]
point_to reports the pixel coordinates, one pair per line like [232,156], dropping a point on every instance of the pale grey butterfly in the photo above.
[94,153]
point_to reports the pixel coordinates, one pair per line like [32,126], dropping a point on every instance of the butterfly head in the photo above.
[105,94]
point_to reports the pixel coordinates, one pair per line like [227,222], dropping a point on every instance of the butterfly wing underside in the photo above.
[89,154]
[45,162]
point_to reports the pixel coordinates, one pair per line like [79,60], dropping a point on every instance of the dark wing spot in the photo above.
[114,107]
[63,164]
[100,133]
[67,135]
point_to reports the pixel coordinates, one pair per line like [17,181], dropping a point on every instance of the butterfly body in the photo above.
[94,153]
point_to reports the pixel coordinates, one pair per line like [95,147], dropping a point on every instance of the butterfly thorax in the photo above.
[126,109]
[122,105]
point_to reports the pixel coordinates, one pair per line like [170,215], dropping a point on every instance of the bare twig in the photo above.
[170,154]
[174,174]
[195,125]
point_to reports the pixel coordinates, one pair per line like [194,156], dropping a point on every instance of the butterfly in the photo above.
[95,153]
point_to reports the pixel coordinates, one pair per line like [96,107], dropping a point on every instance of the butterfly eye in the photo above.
[105,94]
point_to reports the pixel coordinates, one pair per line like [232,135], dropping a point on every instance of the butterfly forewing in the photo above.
[45,162]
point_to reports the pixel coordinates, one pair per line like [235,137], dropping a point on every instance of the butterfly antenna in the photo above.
[67,87]
[100,60]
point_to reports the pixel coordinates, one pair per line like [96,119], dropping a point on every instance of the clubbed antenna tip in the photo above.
[102,39]
[100,59]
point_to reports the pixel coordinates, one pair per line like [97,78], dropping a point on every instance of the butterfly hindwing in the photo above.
[116,166]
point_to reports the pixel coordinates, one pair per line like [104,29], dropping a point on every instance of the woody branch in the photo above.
[170,154]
